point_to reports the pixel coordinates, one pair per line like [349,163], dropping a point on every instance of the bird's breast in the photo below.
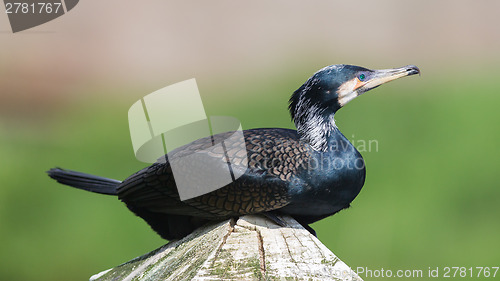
[331,179]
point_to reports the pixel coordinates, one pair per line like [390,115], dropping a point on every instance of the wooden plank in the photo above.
[250,248]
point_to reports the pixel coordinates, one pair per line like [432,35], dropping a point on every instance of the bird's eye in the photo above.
[361,77]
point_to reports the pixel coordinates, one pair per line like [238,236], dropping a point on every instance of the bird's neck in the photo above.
[317,130]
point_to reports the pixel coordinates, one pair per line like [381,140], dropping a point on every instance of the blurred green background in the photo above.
[431,197]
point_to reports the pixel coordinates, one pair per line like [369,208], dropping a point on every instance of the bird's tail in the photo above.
[84,181]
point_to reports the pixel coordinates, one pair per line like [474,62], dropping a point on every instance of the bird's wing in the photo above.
[273,157]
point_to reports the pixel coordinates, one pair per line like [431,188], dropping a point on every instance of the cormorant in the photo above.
[309,173]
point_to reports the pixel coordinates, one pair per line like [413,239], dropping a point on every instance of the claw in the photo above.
[272,216]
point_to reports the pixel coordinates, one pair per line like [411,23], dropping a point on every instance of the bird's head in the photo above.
[331,88]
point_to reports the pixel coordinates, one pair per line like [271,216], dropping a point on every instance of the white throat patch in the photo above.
[346,92]
[316,130]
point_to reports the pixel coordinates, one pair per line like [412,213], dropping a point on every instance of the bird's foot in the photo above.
[274,217]
[306,226]
[310,229]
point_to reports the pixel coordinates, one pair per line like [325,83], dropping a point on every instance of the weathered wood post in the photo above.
[250,248]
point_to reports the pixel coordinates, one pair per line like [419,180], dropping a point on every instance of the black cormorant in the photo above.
[309,173]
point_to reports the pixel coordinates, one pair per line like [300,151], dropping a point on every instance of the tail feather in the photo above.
[84,181]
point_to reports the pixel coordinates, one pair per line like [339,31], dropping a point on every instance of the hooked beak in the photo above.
[355,87]
[386,75]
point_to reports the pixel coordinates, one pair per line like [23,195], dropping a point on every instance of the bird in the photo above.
[309,173]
